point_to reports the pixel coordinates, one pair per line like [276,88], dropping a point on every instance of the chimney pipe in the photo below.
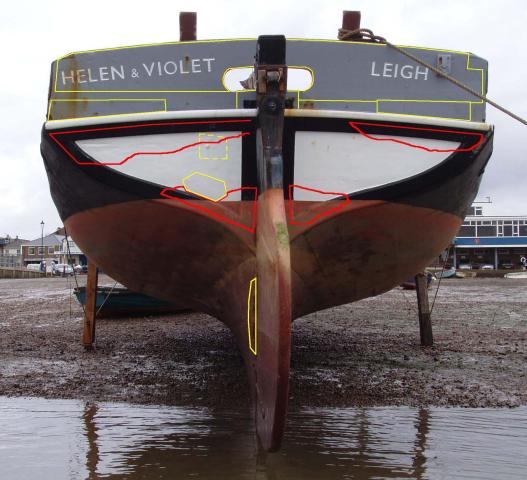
[187,26]
[350,22]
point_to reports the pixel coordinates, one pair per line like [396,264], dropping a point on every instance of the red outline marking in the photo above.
[190,145]
[121,127]
[129,157]
[163,192]
[369,137]
[205,209]
[323,214]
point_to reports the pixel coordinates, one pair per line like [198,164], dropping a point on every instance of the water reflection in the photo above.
[421,426]
[92,455]
[69,439]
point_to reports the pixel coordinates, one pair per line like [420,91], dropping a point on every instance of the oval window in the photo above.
[240,78]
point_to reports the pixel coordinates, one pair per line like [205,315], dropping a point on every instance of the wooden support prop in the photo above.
[187,26]
[90,309]
[425,321]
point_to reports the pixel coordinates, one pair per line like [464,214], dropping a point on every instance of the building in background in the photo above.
[11,251]
[46,248]
[500,241]
[71,254]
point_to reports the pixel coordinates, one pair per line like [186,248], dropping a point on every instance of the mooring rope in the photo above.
[105,298]
[74,272]
[440,278]
[369,35]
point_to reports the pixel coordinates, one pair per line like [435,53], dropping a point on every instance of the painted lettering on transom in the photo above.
[157,68]
[395,70]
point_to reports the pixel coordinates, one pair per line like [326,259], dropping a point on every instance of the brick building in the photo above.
[46,248]
[11,251]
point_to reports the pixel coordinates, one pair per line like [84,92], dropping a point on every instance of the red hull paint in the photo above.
[182,253]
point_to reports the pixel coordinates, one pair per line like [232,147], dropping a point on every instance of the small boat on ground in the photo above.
[516,275]
[263,203]
[121,302]
[443,273]
[410,284]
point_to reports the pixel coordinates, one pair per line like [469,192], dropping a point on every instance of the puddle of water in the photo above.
[68,439]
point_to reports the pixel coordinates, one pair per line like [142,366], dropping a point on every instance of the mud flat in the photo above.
[363,354]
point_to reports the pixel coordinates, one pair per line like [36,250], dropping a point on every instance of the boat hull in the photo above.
[374,251]
[259,262]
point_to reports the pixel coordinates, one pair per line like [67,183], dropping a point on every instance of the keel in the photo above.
[274,319]
[273,260]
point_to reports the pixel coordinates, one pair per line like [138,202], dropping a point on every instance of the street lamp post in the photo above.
[42,244]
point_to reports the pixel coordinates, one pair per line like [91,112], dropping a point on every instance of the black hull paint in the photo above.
[449,187]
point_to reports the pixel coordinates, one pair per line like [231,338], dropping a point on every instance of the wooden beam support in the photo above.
[90,309]
[425,321]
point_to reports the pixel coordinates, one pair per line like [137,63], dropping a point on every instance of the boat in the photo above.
[516,275]
[121,302]
[449,272]
[263,203]
[410,284]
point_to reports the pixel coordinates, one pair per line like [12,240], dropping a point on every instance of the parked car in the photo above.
[62,269]
[487,266]
[507,265]
[41,267]
[465,266]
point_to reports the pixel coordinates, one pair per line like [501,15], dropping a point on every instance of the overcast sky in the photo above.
[33,33]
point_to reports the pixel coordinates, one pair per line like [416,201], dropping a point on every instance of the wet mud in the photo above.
[362,354]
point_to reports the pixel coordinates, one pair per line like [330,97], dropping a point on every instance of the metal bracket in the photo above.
[271,87]
[444,62]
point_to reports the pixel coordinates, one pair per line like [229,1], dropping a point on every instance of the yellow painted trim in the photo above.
[376,101]
[227,40]
[419,116]
[49,110]
[346,42]
[378,110]
[164,100]
[468,67]
[336,100]
[227,70]
[297,67]
[252,348]
[143,45]
[424,100]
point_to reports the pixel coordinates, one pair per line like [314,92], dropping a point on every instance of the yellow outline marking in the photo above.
[236,102]
[467,102]
[255,349]
[226,40]
[289,67]
[457,52]
[201,174]
[139,46]
[376,101]
[164,100]
[142,45]
[226,143]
